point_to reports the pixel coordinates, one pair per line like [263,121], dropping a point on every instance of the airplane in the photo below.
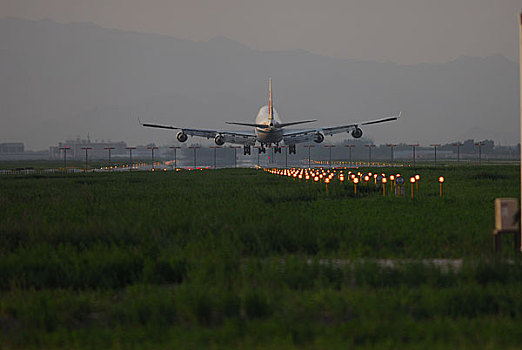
[269,130]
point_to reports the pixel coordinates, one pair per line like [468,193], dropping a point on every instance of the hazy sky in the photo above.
[402,31]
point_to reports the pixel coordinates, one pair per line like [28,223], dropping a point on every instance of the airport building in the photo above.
[98,150]
[11,148]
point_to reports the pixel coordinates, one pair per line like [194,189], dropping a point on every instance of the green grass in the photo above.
[242,258]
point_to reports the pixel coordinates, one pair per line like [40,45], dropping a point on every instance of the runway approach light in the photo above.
[441,182]
[399,181]
[412,180]
[384,180]
[392,182]
[327,181]
[355,182]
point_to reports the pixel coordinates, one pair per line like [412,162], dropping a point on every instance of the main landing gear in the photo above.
[291,149]
[246,150]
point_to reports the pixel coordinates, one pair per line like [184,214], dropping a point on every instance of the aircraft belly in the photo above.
[265,136]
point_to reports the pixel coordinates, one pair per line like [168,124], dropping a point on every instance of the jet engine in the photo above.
[181,136]
[219,140]
[318,138]
[357,133]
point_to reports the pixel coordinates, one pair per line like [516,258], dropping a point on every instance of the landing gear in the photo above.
[246,150]
[277,148]
[291,149]
[261,149]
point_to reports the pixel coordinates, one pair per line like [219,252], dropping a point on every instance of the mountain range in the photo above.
[62,81]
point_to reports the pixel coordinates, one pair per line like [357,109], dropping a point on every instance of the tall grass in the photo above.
[242,258]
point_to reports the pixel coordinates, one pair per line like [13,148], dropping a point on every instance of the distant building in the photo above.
[11,147]
[98,151]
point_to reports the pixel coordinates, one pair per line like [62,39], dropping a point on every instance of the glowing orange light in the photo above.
[356,180]
[441,179]
[412,180]
[417,177]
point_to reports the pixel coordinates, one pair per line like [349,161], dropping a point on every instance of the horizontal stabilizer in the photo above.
[282,125]
[249,124]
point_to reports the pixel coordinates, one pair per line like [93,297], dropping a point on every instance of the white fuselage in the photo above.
[270,134]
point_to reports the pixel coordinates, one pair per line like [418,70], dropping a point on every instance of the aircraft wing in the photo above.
[299,136]
[238,137]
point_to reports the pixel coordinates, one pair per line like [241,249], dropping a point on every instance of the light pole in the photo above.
[130,156]
[195,159]
[109,149]
[86,161]
[391,149]
[520,82]
[458,144]
[258,152]
[286,155]
[309,147]
[350,148]
[215,150]
[413,147]
[235,154]
[65,148]
[330,157]
[152,148]
[175,148]
[520,70]
[370,146]
[435,145]
[479,144]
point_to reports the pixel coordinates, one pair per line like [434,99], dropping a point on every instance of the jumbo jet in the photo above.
[269,130]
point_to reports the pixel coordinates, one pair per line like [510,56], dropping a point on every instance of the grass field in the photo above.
[245,259]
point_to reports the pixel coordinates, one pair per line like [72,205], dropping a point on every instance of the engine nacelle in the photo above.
[181,136]
[357,133]
[219,140]
[318,138]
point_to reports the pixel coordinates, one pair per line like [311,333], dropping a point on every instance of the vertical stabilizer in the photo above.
[270,105]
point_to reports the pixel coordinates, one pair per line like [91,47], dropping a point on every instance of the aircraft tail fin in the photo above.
[270,105]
